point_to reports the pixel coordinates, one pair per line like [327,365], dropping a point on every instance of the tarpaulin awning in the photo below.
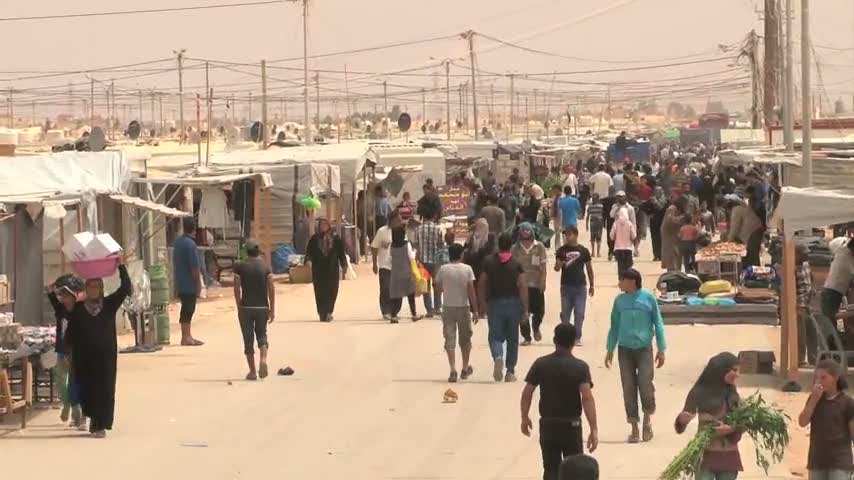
[149,205]
[805,208]
[264,179]
[740,157]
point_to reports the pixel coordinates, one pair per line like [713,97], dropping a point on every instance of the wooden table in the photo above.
[10,404]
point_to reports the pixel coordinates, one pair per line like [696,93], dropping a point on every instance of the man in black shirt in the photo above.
[504,297]
[565,390]
[572,260]
[255,296]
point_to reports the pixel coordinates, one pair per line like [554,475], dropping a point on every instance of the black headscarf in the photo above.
[398,237]
[711,392]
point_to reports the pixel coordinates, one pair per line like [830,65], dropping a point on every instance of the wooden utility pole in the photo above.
[141,121]
[182,129]
[512,104]
[448,96]
[153,120]
[91,103]
[265,128]
[423,106]
[789,83]
[317,98]
[806,90]
[492,104]
[309,138]
[470,35]
[753,50]
[347,97]
[385,111]
[527,121]
[772,62]
[249,113]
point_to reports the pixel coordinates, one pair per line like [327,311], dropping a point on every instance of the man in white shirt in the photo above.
[838,280]
[570,180]
[381,255]
[601,182]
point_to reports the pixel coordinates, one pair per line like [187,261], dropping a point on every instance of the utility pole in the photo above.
[141,121]
[423,106]
[233,110]
[789,99]
[115,115]
[34,114]
[470,35]
[491,103]
[527,121]
[347,97]
[309,138]
[91,103]
[182,130]
[249,113]
[160,108]
[753,50]
[265,135]
[317,98]
[207,110]
[512,94]
[448,96]
[153,121]
[385,111]
[806,89]
[772,61]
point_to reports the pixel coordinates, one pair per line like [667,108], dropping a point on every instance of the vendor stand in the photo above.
[719,294]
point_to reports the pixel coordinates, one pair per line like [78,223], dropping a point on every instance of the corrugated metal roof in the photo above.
[148,205]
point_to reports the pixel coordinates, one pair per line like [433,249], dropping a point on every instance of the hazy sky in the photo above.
[635,30]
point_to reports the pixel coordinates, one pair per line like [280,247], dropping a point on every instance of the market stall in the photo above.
[721,292]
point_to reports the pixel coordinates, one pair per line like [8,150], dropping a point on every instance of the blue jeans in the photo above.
[503,316]
[704,474]
[573,299]
[432,297]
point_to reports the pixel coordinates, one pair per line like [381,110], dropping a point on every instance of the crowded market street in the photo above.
[366,401]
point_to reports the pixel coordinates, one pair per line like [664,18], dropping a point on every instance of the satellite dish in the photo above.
[256,132]
[404,122]
[134,129]
[97,140]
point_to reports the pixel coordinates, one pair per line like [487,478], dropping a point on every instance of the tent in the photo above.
[805,208]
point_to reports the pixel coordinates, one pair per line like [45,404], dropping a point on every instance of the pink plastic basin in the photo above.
[98,268]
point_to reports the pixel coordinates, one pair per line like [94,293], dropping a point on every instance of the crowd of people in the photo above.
[499,272]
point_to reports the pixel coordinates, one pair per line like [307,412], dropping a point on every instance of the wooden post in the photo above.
[256,222]
[789,331]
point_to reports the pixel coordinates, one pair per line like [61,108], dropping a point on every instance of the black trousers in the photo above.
[624,259]
[754,245]
[655,222]
[558,440]
[607,203]
[385,300]
[537,307]
[397,304]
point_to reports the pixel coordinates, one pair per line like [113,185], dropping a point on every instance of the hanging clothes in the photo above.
[213,212]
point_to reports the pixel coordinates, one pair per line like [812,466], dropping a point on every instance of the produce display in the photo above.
[723,248]
[766,426]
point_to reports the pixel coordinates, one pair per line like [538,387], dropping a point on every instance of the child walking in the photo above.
[829,412]
[623,233]
[63,296]
[689,232]
[595,224]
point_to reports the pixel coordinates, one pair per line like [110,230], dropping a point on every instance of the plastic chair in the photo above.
[824,328]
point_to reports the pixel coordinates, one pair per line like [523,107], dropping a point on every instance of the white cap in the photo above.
[621,193]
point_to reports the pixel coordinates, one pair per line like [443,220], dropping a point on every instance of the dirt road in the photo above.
[365,403]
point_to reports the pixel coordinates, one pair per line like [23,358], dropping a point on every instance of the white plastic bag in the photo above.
[351,272]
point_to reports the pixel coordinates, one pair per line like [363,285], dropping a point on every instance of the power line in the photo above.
[138,12]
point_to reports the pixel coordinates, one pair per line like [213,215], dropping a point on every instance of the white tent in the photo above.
[804,208]
[740,157]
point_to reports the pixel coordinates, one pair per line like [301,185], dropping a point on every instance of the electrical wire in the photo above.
[139,12]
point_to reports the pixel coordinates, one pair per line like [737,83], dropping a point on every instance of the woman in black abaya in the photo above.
[325,253]
[92,334]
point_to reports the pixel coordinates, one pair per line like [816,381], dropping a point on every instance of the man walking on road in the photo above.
[565,390]
[456,280]
[635,320]
[188,281]
[255,296]
[572,260]
[428,244]
[381,256]
[532,255]
[504,297]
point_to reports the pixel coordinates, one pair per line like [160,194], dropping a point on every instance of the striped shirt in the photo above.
[428,241]
[596,216]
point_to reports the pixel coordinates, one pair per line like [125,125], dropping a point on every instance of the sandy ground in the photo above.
[366,401]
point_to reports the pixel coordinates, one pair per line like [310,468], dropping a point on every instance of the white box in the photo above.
[102,246]
[75,249]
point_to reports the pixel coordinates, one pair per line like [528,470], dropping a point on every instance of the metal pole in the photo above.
[141,121]
[309,138]
[265,135]
[349,111]
[448,96]
[317,99]
[91,103]
[527,121]
[512,105]
[473,84]
[208,95]
[789,108]
[806,127]
[423,106]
